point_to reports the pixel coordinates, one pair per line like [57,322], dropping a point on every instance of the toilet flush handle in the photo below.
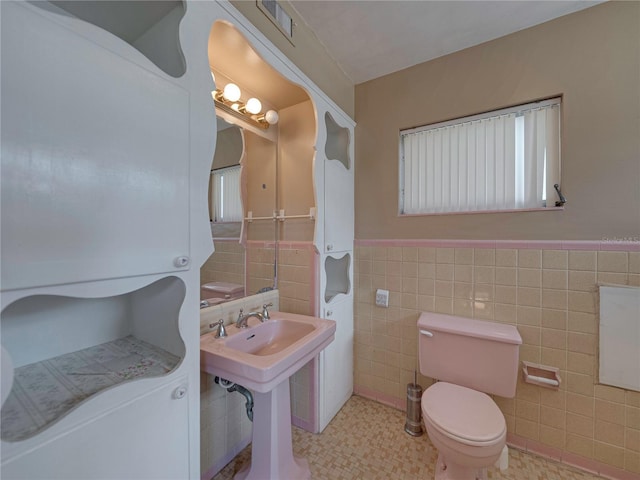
[426,332]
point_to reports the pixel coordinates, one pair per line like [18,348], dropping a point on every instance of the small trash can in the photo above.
[413,425]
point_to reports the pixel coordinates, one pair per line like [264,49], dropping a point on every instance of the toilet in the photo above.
[470,359]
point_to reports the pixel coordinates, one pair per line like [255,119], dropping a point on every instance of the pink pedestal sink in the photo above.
[262,358]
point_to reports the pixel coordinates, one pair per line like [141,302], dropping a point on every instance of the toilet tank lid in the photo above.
[223,287]
[499,332]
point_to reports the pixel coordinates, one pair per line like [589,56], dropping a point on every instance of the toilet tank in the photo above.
[471,353]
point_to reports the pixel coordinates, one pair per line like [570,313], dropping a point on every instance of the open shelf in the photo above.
[66,350]
[338,282]
[151,27]
[337,144]
[44,391]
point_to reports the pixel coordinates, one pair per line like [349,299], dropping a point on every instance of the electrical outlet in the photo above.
[382,298]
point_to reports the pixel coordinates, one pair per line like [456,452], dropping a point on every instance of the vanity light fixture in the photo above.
[253,106]
[228,100]
[270,116]
[231,92]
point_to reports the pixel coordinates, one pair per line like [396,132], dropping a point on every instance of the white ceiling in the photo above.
[369,39]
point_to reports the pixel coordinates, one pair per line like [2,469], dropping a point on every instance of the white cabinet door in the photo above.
[90,190]
[147,438]
[336,362]
[339,207]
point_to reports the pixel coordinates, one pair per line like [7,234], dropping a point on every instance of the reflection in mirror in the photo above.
[225,204]
[259,177]
[222,275]
[243,172]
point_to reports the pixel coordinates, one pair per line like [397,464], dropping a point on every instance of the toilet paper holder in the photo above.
[541,375]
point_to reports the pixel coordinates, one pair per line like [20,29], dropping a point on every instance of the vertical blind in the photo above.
[225,195]
[503,160]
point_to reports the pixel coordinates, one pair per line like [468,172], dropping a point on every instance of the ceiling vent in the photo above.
[280,18]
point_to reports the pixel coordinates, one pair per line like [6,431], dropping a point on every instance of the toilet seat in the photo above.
[464,415]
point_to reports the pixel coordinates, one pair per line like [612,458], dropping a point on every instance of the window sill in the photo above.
[476,212]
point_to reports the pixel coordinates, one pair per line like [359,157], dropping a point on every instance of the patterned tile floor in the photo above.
[366,441]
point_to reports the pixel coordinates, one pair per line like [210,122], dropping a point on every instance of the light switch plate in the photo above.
[382,298]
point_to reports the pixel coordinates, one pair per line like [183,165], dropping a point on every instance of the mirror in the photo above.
[243,173]
[226,265]
[275,167]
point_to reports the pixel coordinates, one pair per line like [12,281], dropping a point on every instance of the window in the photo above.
[503,160]
[225,195]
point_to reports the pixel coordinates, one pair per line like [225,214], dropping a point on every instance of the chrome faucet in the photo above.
[242,319]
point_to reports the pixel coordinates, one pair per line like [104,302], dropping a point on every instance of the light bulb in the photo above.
[231,92]
[236,107]
[253,106]
[271,117]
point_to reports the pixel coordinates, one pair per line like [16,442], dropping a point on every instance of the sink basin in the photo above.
[265,354]
[270,337]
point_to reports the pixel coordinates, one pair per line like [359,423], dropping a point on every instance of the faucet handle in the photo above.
[222,332]
[240,314]
[265,312]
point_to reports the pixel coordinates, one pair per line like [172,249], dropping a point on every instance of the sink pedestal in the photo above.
[272,449]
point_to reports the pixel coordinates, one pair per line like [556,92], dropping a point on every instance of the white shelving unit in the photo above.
[105,158]
[336,278]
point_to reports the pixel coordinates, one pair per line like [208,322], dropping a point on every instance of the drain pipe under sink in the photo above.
[233,387]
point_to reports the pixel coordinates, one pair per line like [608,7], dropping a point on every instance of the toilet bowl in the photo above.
[466,427]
